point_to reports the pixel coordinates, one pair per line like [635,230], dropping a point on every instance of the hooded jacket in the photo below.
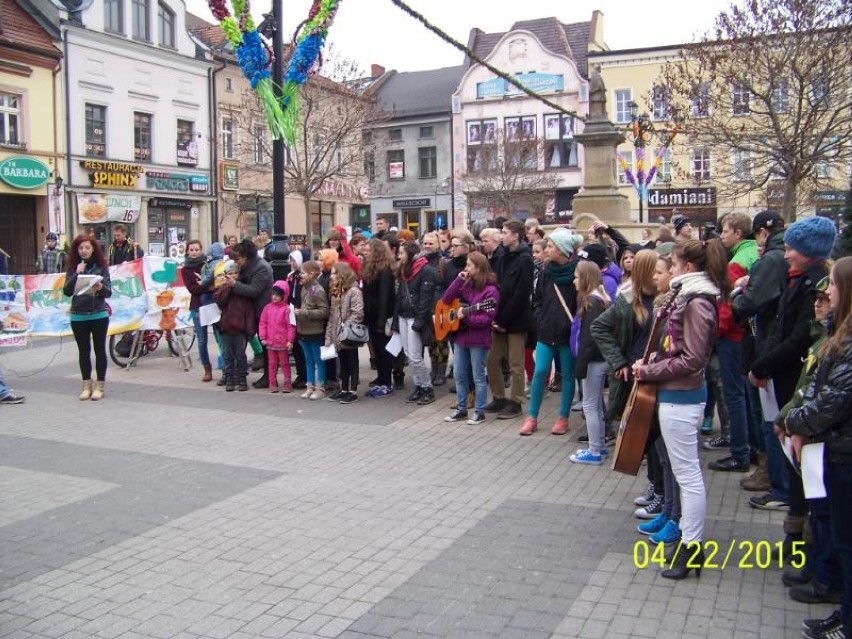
[611,276]
[743,258]
[515,280]
[349,307]
[314,310]
[587,348]
[415,296]
[275,329]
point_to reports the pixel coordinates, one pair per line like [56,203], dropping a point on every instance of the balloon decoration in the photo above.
[306,60]
[254,57]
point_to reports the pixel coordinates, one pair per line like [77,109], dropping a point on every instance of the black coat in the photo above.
[255,282]
[588,350]
[515,280]
[415,299]
[551,323]
[92,301]
[379,301]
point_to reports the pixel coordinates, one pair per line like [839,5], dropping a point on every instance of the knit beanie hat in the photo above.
[216,250]
[565,241]
[812,237]
[679,222]
[296,260]
[594,252]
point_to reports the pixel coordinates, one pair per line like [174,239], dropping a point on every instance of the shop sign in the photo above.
[230,173]
[412,203]
[24,173]
[158,181]
[668,198]
[539,82]
[93,208]
[169,203]
[112,175]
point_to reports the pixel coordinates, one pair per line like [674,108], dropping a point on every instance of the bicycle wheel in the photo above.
[120,347]
[181,338]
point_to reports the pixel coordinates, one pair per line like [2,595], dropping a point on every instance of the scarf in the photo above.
[561,273]
[416,267]
[695,284]
[195,262]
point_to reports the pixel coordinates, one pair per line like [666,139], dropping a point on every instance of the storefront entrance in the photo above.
[168,226]
[19,233]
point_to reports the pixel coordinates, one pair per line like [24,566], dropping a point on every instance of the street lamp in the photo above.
[643,131]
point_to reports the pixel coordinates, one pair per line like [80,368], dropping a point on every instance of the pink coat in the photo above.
[275,329]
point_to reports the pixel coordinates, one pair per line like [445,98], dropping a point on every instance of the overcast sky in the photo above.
[376,31]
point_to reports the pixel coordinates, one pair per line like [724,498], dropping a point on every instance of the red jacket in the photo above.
[237,312]
[348,256]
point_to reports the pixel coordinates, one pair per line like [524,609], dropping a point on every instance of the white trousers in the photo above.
[679,425]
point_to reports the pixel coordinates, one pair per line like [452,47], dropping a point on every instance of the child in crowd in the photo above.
[278,335]
[347,305]
[310,323]
[237,325]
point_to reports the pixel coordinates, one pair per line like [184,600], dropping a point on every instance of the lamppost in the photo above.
[643,130]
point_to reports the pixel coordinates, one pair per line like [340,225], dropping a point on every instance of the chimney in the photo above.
[376,71]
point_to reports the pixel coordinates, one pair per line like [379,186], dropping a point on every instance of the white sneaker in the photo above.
[309,390]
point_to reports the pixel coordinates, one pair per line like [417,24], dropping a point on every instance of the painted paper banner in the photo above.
[13,312]
[168,299]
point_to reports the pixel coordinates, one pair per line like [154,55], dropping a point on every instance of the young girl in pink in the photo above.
[278,334]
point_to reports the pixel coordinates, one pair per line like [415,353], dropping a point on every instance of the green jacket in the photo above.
[613,333]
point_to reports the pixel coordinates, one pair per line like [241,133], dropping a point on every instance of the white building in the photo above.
[139,113]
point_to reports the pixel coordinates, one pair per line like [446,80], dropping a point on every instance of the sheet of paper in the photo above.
[328,352]
[209,314]
[85,283]
[787,447]
[292,315]
[812,469]
[768,402]
[394,345]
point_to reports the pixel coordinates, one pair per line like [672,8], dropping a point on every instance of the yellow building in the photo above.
[694,178]
[31,136]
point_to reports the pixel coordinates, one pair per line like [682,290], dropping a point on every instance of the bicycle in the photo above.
[126,348]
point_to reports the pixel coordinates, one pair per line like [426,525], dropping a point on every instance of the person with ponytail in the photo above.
[824,417]
[699,281]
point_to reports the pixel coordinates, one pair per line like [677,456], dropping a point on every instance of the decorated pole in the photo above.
[278,184]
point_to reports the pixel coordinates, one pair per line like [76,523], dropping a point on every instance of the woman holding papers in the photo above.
[87,283]
[824,417]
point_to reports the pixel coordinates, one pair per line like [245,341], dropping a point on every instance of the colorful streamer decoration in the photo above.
[306,60]
[254,58]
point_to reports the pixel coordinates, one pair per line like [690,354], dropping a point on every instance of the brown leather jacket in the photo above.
[690,334]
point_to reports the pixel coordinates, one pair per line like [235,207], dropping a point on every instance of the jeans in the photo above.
[679,424]
[90,333]
[201,336]
[314,365]
[734,393]
[236,363]
[348,358]
[278,358]
[217,335]
[384,360]
[756,436]
[593,388]
[509,346]
[779,473]
[544,355]
[470,361]
[671,491]
[412,345]
[4,390]
[822,562]
[838,486]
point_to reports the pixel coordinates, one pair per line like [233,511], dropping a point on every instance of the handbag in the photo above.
[353,334]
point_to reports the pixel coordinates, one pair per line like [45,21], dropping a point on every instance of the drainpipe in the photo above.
[214,154]
[69,215]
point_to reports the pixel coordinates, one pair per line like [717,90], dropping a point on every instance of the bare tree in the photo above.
[767,93]
[505,174]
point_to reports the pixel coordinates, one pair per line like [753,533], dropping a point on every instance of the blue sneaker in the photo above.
[668,535]
[604,452]
[586,456]
[654,525]
[380,391]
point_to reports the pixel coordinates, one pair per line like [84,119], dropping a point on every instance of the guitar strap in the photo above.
[564,305]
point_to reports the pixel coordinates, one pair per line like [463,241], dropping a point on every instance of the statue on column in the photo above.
[597,95]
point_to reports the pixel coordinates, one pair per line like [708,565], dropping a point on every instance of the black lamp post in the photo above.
[270,28]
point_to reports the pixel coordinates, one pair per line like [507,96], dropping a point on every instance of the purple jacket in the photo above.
[475,330]
[611,277]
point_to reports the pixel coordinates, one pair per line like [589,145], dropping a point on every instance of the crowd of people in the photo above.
[755,325]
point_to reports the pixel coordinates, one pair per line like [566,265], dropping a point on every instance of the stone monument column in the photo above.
[599,196]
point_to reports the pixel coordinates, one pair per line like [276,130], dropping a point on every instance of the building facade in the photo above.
[31,133]
[140,124]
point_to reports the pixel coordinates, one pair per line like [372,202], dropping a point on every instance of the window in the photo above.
[166,21]
[228,138]
[370,166]
[699,105]
[367,138]
[820,95]
[828,152]
[95,131]
[741,165]
[187,147]
[739,100]
[699,166]
[664,173]
[141,25]
[623,98]
[338,155]
[396,165]
[10,114]
[259,137]
[114,16]
[229,85]
[562,154]
[142,137]
[625,163]
[394,135]
[659,103]
[427,132]
[428,156]
[781,96]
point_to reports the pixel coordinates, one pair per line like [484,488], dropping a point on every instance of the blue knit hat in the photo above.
[564,240]
[812,237]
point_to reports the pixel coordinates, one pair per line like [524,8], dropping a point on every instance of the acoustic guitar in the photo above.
[639,412]
[447,318]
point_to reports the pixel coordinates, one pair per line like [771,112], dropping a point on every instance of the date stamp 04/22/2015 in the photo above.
[737,554]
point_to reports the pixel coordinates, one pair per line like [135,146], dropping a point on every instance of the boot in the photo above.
[98,391]
[686,559]
[208,373]
[415,395]
[758,481]
[427,396]
[440,375]
[230,385]
[309,390]
[87,390]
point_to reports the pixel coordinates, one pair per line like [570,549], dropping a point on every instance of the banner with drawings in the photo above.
[147,293]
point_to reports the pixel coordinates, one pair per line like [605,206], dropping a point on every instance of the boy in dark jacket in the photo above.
[237,325]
